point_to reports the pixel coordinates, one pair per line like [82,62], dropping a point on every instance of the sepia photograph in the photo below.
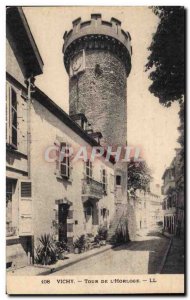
[95,151]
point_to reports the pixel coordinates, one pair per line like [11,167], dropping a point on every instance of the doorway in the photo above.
[88,210]
[62,218]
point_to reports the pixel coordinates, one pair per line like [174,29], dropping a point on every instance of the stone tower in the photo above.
[97,57]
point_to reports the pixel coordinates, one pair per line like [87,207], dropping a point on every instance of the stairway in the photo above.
[117,225]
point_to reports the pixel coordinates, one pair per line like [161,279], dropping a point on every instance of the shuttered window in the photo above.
[10,188]
[104,180]
[88,171]
[111,183]
[14,117]
[26,189]
[11,117]
[64,160]
[25,209]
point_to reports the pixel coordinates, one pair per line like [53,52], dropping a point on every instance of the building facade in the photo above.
[73,195]
[169,201]
[174,202]
[47,192]
[97,58]
[148,209]
[23,62]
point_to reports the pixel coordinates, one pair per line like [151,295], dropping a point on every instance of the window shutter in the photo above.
[25,208]
[64,161]
[91,167]
[70,163]
[14,117]
[111,178]
[101,175]
[106,180]
[8,113]
[57,161]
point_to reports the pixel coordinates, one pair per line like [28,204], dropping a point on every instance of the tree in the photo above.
[139,177]
[166,61]
[181,154]
[181,128]
[166,65]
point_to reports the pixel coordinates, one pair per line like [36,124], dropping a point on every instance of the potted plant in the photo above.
[102,235]
[79,244]
[97,241]
[61,249]
[46,250]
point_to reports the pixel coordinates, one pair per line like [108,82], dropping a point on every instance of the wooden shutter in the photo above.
[111,183]
[7,113]
[68,161]
[25,208]
[91,169]
[106,181]
[14,118]
[88,170]
[65,161]
[57,161]
[101,175]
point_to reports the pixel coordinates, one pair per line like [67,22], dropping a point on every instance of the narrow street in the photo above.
[143,256]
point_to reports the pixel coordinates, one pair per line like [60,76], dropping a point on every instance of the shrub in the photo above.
[102,233]
[122,234]
[46,252]
[61,246]
[80,243]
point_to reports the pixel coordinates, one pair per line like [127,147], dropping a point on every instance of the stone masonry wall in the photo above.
[100,93]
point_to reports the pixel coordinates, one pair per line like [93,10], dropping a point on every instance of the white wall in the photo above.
[46,186]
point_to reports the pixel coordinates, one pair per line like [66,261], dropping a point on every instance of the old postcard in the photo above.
[95,107]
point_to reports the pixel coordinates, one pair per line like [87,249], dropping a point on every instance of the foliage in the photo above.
[122,234]
[80,243]
[102,232]
[166,60]
[61,246]
[139,177]
[181,153]
[46,253]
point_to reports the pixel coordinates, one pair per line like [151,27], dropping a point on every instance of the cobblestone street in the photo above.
[143,256]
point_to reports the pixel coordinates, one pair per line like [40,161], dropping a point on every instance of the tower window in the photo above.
[118,180]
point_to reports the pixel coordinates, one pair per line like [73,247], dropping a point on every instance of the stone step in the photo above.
[113,226]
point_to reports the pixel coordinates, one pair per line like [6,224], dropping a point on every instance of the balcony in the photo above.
[92,189]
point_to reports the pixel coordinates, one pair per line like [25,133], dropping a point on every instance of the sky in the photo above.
[149,125]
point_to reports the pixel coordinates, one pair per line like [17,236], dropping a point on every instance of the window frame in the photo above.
[11,117]
[11,230]
[117,176]
[104,180]
[88,171]
[65,162]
